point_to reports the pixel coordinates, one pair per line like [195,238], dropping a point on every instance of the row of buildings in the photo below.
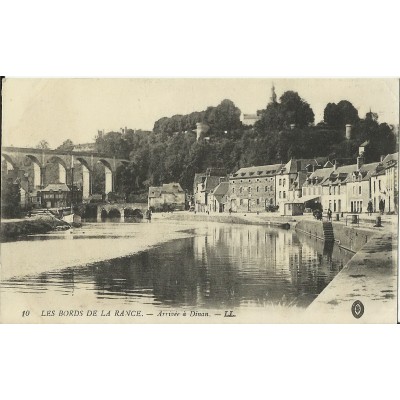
[341,186]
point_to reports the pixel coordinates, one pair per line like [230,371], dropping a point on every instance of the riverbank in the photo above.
[11,229]
[370,277]
[248,219]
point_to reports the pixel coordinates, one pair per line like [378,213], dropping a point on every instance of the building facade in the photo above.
[252,189]
[169,196]
[204,183]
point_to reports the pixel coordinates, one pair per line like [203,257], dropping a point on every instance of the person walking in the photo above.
[329,214]
[369,208]
[381,206]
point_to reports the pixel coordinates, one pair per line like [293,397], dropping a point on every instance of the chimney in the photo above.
[360,162]
[292,126]
[348,131]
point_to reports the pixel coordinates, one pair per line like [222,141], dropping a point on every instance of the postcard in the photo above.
[163,201]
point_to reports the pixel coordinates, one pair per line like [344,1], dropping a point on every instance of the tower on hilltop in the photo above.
[273,94]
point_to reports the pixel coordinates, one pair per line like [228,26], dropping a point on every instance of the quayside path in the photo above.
[370,277]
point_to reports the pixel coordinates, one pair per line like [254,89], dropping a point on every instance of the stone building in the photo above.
[218,197]
[169,196]
[252,189]
[288,174]
[59,195]
[204,183]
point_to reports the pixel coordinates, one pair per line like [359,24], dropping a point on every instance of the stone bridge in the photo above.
[121,210]
[18,158]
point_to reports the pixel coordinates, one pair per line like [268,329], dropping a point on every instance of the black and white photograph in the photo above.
[199,200]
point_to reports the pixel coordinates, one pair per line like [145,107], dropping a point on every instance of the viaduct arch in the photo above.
[67,161]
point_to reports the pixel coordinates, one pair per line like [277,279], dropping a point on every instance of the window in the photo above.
[330,189]
[280,182]
[249,189]
[359,189]
[240,189]
[280,194]
[233,190]
[374,187]
[257,188]
[338,189]
[266,188]
[291,181]
[354,190]
[284,194]
[258,201]
[334,190]
[379,185]
[284,181]
[241,202]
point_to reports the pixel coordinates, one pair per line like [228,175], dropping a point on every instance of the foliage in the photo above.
[67,145]
[43,144]
[170,153]
[338,115]
[292,109]
[10,197]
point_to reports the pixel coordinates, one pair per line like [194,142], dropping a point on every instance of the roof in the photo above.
[261,170]
[212,182]
[295,165]
[56,187]
[154,191]
[221,189]
[157,191]
[173,187]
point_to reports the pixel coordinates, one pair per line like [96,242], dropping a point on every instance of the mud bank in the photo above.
[37,225]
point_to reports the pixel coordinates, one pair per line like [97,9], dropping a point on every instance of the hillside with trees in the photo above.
[285,130]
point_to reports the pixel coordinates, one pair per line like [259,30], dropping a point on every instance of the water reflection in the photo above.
[221,266]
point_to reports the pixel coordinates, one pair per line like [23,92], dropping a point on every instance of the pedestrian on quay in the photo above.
[381,206]
[329,214]
[369,208]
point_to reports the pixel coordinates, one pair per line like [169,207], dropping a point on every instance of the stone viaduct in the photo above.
[15,158]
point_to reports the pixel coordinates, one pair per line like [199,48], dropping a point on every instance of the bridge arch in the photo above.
[62,167]
[133,213]
[38,176]
[86,177]
[109,176]
[10,162]
[114,213]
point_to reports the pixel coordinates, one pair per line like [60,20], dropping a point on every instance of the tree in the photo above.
[10,197]
[338,115]
[43,144]
[67,145]
[292,109]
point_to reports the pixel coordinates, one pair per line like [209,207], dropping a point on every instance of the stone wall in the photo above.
[348,237]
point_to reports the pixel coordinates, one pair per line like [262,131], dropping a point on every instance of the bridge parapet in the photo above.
[124,210]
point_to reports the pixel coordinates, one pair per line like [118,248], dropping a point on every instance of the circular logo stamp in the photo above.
[357,309]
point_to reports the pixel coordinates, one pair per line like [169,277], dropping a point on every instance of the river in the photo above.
[168,266]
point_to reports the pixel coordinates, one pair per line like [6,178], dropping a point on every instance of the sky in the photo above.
[58,109]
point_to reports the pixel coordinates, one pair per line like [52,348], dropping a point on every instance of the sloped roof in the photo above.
[259,171]
[212,182]
[154,191]
[173,187]
[221,189]
[293,165]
